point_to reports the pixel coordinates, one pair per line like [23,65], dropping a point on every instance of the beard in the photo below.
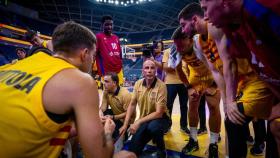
[191,31]
[189,50]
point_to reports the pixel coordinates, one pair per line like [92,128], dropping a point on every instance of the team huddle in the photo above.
[47,99]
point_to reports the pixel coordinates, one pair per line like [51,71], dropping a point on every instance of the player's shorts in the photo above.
[201,83]
[256,97]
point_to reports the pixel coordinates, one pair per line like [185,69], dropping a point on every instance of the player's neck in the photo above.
[107,34]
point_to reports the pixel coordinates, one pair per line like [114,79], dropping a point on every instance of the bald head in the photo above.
[148,61]
[149,69]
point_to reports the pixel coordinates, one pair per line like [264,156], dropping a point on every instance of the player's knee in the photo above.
[213,109]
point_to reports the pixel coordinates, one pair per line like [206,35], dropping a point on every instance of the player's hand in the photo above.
[103,119]
[122,130]
[109,126]
[134,127]
[234,114]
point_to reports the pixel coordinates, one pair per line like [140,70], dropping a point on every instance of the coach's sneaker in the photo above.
[190,147]
[257,150]
[201,131]
[213,151]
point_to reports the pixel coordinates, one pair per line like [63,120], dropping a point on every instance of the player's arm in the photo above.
[230,74]
[131,109]
[182,74]
[96,141]
[229,70]
[229,63]
[82,100]
[219,79]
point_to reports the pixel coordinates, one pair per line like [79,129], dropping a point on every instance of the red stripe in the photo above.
[57,141]
[65,129]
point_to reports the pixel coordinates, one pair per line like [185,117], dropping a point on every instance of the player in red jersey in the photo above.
[109,56]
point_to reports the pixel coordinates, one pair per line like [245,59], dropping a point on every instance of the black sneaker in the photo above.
[201,131]
[213,151]
[185,129]
[257,150]
[190,147]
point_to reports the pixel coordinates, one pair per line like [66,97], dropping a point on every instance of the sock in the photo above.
[214,137]
[193,133]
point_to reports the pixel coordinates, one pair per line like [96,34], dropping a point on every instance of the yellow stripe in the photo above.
[22,30]
[140,45]
[14,40]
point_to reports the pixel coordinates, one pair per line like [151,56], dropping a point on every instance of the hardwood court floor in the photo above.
[176,140]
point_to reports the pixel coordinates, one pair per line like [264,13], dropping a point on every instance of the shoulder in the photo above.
[138,83]
[68,88]
[72,80]
[124,90]
[124,93]
[160,84]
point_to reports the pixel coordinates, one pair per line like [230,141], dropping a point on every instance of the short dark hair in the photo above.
[70,36]
[114,77]
[190,10]
[20,49]
[157,42]
[106,17]
[178,34]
